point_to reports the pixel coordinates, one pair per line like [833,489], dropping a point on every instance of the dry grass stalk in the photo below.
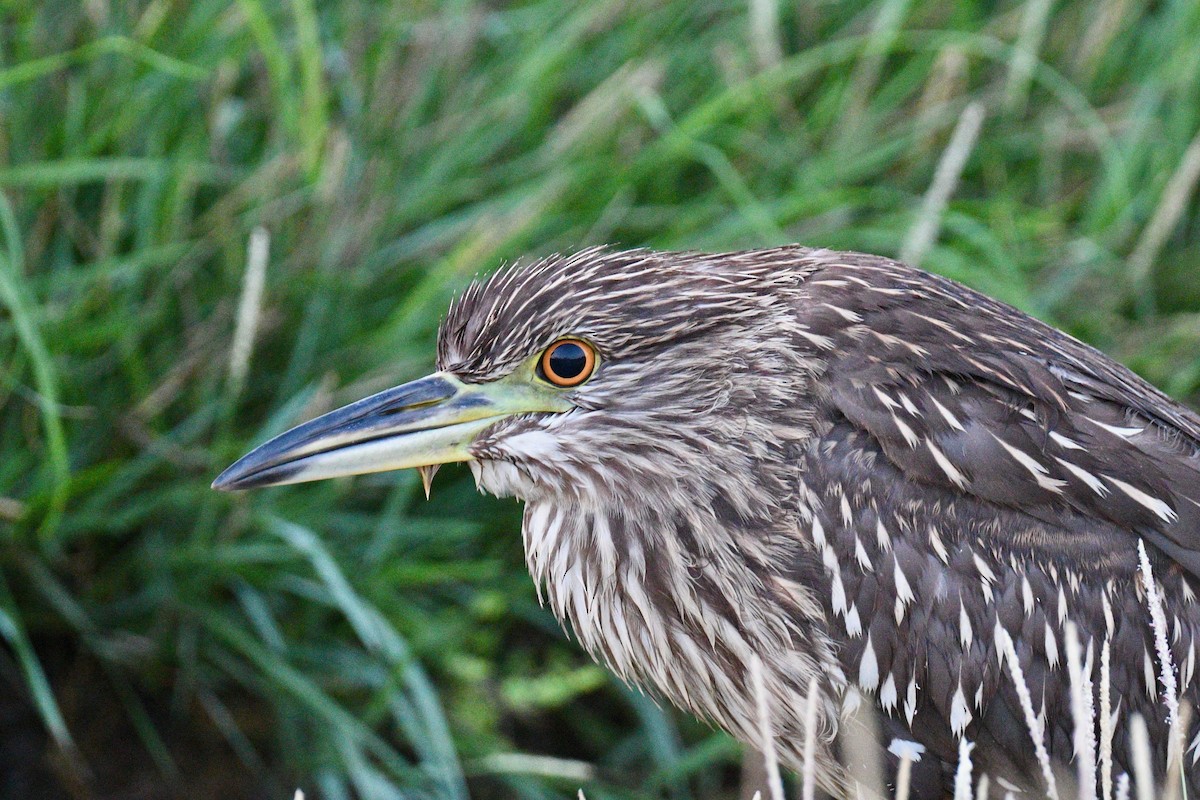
[808,774]
[1036,729]
[947,81]
[1025,53]
[11,509]
[1083,712]
[606,108]
[249,309]
[765,38]
[945,180]
[1106,720]
[1158,620]
[859,743]
[1176,750]
[962,776]
[1170,209]
[904,777]
[1107,19]
[884,29]
[1143,772]
[766,730]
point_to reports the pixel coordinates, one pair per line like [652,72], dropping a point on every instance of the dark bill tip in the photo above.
[235,479]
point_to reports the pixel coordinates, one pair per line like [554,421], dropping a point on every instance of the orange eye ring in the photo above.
[567,362]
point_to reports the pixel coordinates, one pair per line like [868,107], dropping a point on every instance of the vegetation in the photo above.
[349,637]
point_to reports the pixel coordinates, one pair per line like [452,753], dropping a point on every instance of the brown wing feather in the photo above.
[976,470]
[964,392]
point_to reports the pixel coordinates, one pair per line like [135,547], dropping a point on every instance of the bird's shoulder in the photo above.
[971,395]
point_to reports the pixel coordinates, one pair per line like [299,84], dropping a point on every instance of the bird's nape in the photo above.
[863,477]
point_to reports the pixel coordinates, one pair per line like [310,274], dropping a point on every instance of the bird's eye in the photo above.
[568,362]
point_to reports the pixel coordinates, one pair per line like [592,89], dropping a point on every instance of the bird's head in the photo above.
[605,378]
[650,408]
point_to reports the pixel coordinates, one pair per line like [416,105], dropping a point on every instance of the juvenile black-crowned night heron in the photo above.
[869,477]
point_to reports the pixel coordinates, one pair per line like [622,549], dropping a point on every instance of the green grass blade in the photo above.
[21,306]
[14,632]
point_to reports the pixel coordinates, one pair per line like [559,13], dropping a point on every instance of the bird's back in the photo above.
[980,483]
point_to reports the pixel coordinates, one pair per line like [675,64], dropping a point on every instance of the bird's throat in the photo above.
[648,598]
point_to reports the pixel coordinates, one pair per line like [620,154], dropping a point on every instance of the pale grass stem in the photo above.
[945,180]
[904,777]
[1176,750]
[1025,53]
[1036,728]
[606,107]
[765,37]
[1158,620]
[1106,718]
[11,509]
[249,309]
[860,748]
[1166,216]
[1143,772]
[808,774]
[1107,18]
[765,730]
[884,29]
[545,766]
[1083,712]
[962,775]
[947,80]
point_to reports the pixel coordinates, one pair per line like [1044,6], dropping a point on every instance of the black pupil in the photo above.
[568,361]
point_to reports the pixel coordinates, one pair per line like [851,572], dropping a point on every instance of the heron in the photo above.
[883,488]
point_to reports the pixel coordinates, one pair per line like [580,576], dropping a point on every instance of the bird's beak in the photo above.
[426,422]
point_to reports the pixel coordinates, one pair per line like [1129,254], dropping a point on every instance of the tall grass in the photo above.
[348,637]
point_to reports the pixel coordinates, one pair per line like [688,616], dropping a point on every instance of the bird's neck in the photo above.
[669,602]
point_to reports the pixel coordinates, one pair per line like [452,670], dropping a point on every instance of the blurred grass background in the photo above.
[161,640]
